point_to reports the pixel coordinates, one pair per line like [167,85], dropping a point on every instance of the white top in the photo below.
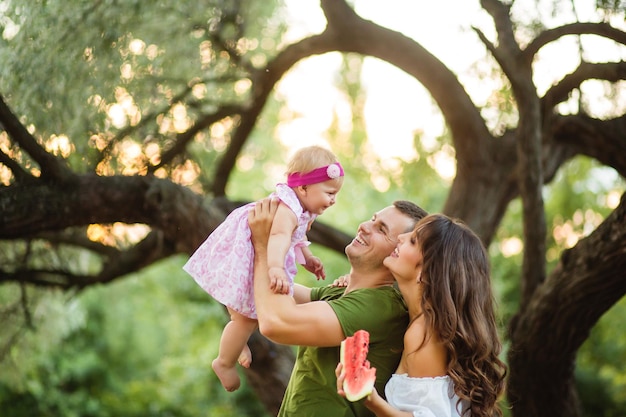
[425,397]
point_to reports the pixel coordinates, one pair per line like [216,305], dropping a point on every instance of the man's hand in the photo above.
[260,220]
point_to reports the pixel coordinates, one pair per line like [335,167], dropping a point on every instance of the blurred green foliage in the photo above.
[139,347]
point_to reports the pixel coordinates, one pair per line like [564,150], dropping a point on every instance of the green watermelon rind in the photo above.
[368,376]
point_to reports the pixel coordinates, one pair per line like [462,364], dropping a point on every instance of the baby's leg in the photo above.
[232,344]
[245,358]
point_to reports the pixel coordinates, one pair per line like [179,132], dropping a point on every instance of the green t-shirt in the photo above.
[312,388]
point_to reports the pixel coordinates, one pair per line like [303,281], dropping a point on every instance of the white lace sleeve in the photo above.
[423,412]
[424,397]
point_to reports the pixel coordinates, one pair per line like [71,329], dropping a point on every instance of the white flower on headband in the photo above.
[333,171]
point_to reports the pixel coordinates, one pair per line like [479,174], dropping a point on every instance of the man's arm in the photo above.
[301,293]
[280,318]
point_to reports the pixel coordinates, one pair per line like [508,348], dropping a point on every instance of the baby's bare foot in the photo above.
[227,375]
[245,359]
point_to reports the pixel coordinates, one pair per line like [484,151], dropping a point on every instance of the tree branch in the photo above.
[263,82]
[347,32]
[19,173]
[609,71]
[603,140]
[178,217]
[601,29]
[507,50]
[183,139]
[116,264]
[51,166]
[468,130]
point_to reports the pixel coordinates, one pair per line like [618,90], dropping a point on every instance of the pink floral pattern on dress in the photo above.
[223,264]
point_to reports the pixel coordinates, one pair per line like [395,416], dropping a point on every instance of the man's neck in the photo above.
[369,279]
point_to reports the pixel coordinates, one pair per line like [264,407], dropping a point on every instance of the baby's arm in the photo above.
[285,222]
[313,264]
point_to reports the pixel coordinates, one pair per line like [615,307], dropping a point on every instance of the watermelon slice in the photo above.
[360,377]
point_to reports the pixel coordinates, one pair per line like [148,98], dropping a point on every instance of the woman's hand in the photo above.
[342,281]
[341,376]
[374,402]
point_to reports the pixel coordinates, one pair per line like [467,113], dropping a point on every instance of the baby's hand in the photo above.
[342,281]
[314,265]
[279,283]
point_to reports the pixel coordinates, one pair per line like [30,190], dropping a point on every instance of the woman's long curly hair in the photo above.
[459,307]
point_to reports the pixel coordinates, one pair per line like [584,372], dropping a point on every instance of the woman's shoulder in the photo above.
[424,354]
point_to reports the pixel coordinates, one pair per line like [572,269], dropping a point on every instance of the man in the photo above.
[318,319]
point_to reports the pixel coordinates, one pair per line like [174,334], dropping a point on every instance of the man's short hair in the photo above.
[412,210]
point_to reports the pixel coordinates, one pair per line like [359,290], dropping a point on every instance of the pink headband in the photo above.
[329,172]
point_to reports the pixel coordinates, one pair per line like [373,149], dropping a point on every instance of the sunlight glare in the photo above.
[444,162]
[397,105]
[130,156]
[245,163]
[59,145]
[181,121]
[583,223]
[511,246]
[152,52]
[126,71]
[199,91]
[117,234]
[124,111]
[186,174]
[10,28]
[137,46]
[380,182]
[220,137]
[153,153]
[613,199]
[242,86]
[5,175]
[117,116]
[206,54]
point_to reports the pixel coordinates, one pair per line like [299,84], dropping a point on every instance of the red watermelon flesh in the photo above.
[360,377]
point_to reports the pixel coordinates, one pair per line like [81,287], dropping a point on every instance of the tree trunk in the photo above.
[586,283]
[270,371]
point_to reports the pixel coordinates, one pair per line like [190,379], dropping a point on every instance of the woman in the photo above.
[450,364]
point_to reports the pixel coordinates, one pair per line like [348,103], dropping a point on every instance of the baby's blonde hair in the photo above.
[309,158]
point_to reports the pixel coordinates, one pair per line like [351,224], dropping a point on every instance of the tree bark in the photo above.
[546,335]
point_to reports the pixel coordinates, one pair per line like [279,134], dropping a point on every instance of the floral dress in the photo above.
[223,264]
